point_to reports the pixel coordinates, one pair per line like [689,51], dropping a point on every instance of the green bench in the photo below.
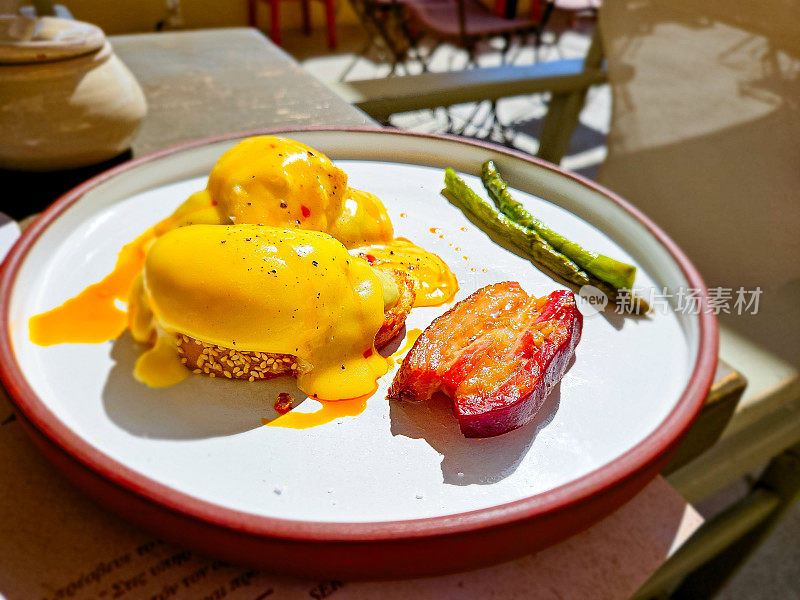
[566,80]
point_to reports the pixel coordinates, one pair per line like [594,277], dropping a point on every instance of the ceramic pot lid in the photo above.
[35,40]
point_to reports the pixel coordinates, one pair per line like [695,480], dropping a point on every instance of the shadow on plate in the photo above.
[468,460]
[199,407]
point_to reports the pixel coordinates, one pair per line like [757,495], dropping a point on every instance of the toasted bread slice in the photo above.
[218,361]
[394,316]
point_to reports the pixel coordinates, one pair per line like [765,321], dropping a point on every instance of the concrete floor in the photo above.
[772,572]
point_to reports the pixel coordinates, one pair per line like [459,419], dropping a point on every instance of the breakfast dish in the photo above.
[277,267]
[398,489]
[251,302]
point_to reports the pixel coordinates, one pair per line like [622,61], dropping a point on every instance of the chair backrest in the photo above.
[705,139]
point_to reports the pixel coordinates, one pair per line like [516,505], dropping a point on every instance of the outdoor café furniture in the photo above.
[305,8]
[400,26]
[465,23]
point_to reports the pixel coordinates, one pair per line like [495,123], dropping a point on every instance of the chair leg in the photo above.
[275,25]
[397,56]
[358,56]
[330,18]
[781,478]
[252,12]
[306,12]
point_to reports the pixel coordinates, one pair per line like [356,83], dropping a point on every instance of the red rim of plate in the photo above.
[563,497]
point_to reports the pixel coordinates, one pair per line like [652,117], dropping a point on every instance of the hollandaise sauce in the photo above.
[282,183]
[279,291]
[411,337]
[258,263]
[329,411]
[93,317]
[434,282]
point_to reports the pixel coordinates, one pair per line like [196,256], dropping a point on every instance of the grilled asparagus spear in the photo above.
[527,240]
[618,274]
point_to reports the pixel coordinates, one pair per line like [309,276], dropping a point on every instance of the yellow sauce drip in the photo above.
[411,337]
[330,411]
[434,282]
[92,316]
[160,365]
[261,181]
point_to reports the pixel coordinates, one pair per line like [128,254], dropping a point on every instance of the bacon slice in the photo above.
[497,354]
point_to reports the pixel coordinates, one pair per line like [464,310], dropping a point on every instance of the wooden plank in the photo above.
[381,98]
[738,454]
[727,390]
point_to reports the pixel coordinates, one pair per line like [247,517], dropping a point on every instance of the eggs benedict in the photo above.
[253,302]
[277,267]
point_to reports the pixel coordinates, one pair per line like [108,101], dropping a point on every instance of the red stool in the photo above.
[275,25]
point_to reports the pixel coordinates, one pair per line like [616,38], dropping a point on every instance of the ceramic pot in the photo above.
[66,100]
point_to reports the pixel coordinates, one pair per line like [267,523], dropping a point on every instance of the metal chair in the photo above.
[466,23]
[275,23]
[385,22]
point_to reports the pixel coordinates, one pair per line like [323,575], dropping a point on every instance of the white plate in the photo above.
[394,462]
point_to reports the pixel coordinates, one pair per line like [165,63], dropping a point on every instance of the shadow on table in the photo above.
[199,407]
[469,460]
